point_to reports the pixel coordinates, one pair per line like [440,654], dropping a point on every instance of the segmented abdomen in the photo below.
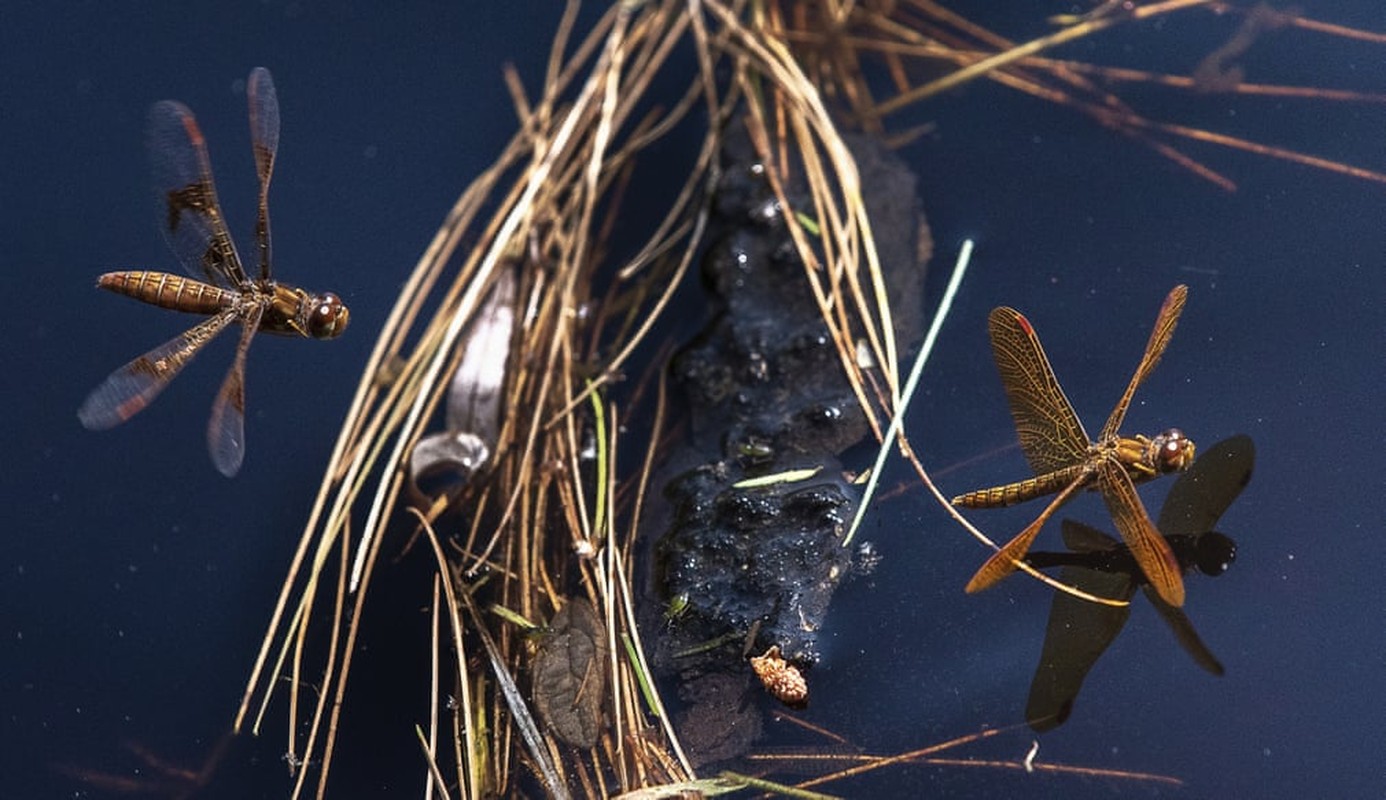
[1020,491]
[168,291]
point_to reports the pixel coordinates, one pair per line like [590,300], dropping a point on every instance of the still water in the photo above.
[137,581]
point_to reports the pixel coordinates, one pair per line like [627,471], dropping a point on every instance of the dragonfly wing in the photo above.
[1003,562]
[129,389]
[1148,547]
[1159,340]
[191,216]
[264,140]
[1078,633]
[1049,430]
[1199,497]
[226,428]
[1186,635]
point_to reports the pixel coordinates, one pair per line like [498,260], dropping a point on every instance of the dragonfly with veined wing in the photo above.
[192,221]
[1065,460]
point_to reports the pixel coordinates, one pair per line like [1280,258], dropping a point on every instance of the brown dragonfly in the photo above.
[193,223]
[1065,460]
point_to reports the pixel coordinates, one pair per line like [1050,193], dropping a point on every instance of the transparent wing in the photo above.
[226,428]
[1154,348]
[1049,430]
[264,141]
[129,389]
[1149,548]
[1002,562]
[190,215]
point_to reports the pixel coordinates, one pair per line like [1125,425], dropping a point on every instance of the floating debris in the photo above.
[781,678]
[474,396]
[568,674]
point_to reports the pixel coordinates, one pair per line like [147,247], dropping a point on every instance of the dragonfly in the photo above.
[1079,632]
[220,289]
[1065,460]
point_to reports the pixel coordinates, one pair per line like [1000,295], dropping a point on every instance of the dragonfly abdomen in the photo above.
[166,290]
[1020,491]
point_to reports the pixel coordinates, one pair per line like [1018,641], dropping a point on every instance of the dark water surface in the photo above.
[137,581]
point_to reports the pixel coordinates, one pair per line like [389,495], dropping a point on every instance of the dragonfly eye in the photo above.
[1173,451]
[328,317]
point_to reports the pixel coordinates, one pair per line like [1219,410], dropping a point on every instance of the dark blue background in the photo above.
[137,581]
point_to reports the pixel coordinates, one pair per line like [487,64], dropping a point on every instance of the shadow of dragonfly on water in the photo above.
[1079,631]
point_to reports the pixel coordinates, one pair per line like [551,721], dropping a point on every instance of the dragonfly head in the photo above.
[324,316]
[1170,451]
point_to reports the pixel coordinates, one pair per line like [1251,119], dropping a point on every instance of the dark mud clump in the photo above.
[767,393]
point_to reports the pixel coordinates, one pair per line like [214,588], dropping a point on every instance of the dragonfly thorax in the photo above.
[294,312]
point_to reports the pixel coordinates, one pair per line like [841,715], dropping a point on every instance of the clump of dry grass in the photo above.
[556,527]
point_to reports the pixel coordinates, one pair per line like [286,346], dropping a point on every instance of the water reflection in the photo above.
[1079,631]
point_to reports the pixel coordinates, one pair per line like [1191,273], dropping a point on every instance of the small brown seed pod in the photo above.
[781,678]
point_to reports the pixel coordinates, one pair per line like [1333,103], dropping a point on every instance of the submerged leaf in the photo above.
[569,675]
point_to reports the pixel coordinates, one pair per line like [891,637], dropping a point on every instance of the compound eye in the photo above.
[1175,451]
[328,318]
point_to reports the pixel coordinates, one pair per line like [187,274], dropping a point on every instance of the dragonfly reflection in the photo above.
[1065,460]
[192,221]
[1079,632]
